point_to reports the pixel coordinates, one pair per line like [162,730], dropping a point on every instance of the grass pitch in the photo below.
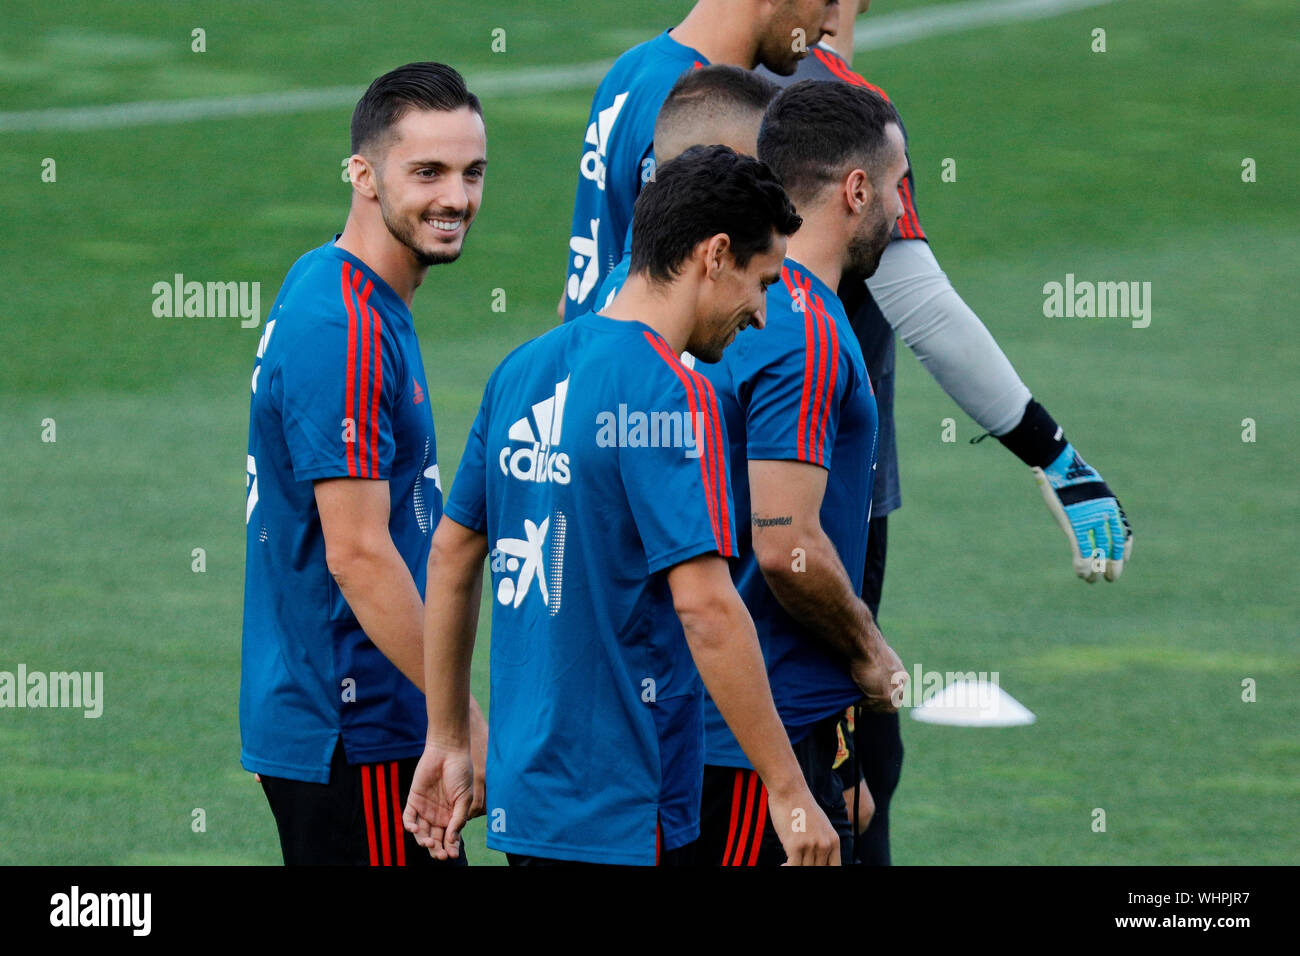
[1121,166]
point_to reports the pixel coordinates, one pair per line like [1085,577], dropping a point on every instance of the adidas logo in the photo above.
[419,392]
[593,160]
[536,460]
[1078,470]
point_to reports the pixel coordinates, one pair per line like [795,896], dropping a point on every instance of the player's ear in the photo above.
[717,252]
[857,191]
[362,175]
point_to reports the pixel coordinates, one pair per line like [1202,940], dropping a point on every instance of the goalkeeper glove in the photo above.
[1089,513]
[1083,505]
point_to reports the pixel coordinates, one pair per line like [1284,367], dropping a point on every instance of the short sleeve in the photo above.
[792,383]
[337,386]
[679,491]
[467,503]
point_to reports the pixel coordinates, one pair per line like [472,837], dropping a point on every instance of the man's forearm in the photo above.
[450,623]
[814,588]
[727,655]
[381,592]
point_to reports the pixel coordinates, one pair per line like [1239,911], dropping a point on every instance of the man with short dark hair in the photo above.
[910,294]
[714,105]
[343,486]
[618,157]
[595,478]
[801,419]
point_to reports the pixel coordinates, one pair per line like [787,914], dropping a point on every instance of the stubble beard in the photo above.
[404,232]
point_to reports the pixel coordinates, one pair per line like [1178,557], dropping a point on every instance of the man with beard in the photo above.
[910,294]
[343,487]
[618,156]
[801,421]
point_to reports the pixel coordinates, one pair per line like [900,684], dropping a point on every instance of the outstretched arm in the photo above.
[955,347]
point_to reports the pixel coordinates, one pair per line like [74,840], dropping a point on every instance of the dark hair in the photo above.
[713,91]
[426,86]
[816,129]
[705,191]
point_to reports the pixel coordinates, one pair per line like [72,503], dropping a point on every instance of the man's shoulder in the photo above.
[641,78]
[313,292]
[823,62]
[660,53]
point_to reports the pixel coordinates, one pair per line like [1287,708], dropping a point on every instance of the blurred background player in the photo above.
[802,426]
[712,105]
[618,156]
[343,486]
[909,294]
[608,558]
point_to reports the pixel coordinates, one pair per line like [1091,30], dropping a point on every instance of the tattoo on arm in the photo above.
[769,522]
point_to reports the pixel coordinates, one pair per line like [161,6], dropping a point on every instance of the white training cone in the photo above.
[973,703]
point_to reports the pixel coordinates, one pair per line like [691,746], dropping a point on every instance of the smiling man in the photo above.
[613,605]
[343,487]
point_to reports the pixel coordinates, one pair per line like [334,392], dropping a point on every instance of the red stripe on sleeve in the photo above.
[375,393]
[695,392]
[831,379]
[796,296]
[363,441]
[820,400]
[383,812]
[349,397]
[399,834]
[370,814]
[711,449]
[721,455]
[706,471]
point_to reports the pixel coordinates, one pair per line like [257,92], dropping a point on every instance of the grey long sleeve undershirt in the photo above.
[951,342]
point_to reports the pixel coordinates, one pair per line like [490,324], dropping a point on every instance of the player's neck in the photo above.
[842,42]
[665,309]
[819,249]
[386,257]
[708,29]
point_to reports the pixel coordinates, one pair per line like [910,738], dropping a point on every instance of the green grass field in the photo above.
[1125,165]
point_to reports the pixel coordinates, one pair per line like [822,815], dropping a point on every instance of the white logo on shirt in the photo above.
[592,164]
[537,460]
[584,258]
[520,561]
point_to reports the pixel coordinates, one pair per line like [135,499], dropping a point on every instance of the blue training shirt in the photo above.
[617,160]
[617,276]
[797,390]
[338,391]
[584,470]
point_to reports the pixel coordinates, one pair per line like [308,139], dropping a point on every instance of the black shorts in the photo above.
[735,826]
[354,820]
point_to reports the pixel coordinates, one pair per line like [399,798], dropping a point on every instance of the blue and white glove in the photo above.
[1089,514]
